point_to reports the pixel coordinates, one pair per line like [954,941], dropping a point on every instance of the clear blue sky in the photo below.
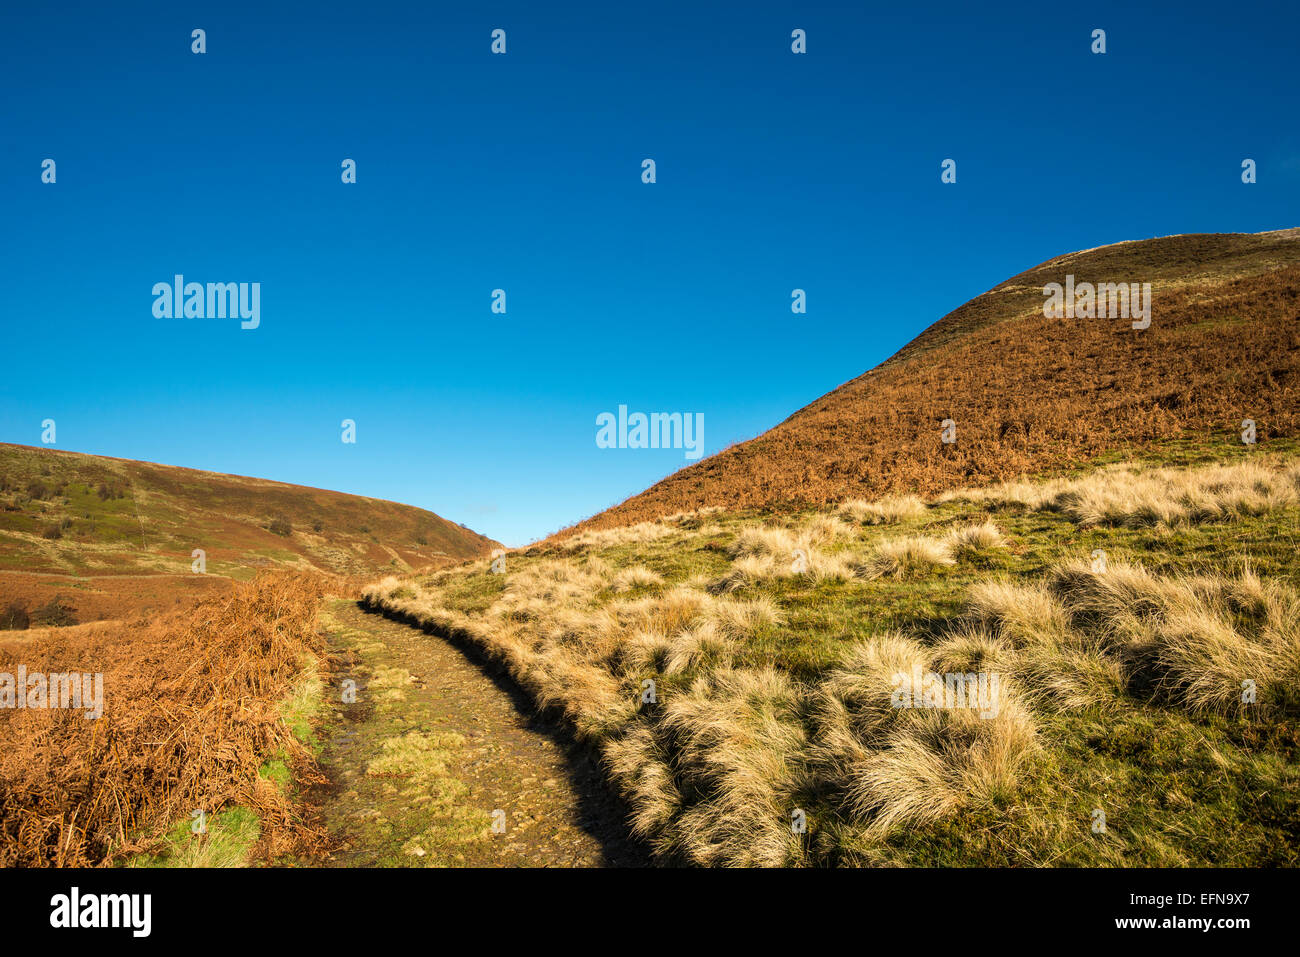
[523,172]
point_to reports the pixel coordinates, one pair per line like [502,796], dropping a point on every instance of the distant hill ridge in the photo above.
[1027,393]
[75,514]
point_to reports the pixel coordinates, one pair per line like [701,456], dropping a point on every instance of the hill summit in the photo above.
[1002,387]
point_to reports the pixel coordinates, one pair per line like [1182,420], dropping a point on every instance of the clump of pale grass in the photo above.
[1203,660]
[384,587]
[525,608]
[693,520]
[823,567]
[694,648]
[903,781]
[633,577]
[897,765]
[414,602]
[739,738]
[708,641]
[639,765]
[765,541]
[644,651]
[907,557]
[1021,494]
[592,633]
[1068,678]
[802,562]
[823,529]
[668,612]
[1118,605]
[1198,640]
[855,699]
[745,572]
[968,647]
[972,539]
[1291,475]
[1136,498]
[742,620]
[939,760]
[1022,614]
[887,511]
[555,582]
[640,533]
[590,698]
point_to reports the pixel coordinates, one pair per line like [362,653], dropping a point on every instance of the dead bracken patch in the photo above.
[192,710]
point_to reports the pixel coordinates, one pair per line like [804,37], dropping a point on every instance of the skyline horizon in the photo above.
[686,464]
[459,248]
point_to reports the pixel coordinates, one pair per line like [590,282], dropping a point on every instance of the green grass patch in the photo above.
[226,842]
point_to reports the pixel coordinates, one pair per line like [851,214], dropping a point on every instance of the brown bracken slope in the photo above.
[1029,394]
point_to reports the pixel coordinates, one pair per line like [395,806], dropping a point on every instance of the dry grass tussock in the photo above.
[1204,642]
[895,765]
[634,577]
[911,555]
[888,511]
[1082,637]
[1079,639]
[972,539]
[736,736]
[192,708]
[639,533]
[765,553]
[1127,496]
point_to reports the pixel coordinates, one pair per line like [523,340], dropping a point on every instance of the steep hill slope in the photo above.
[1028,393]
[66,516]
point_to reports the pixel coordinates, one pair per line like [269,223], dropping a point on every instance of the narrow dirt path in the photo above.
[438,761]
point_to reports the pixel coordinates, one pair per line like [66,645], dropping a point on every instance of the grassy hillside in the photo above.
[67,517]
[1030,394]
[1137,708]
